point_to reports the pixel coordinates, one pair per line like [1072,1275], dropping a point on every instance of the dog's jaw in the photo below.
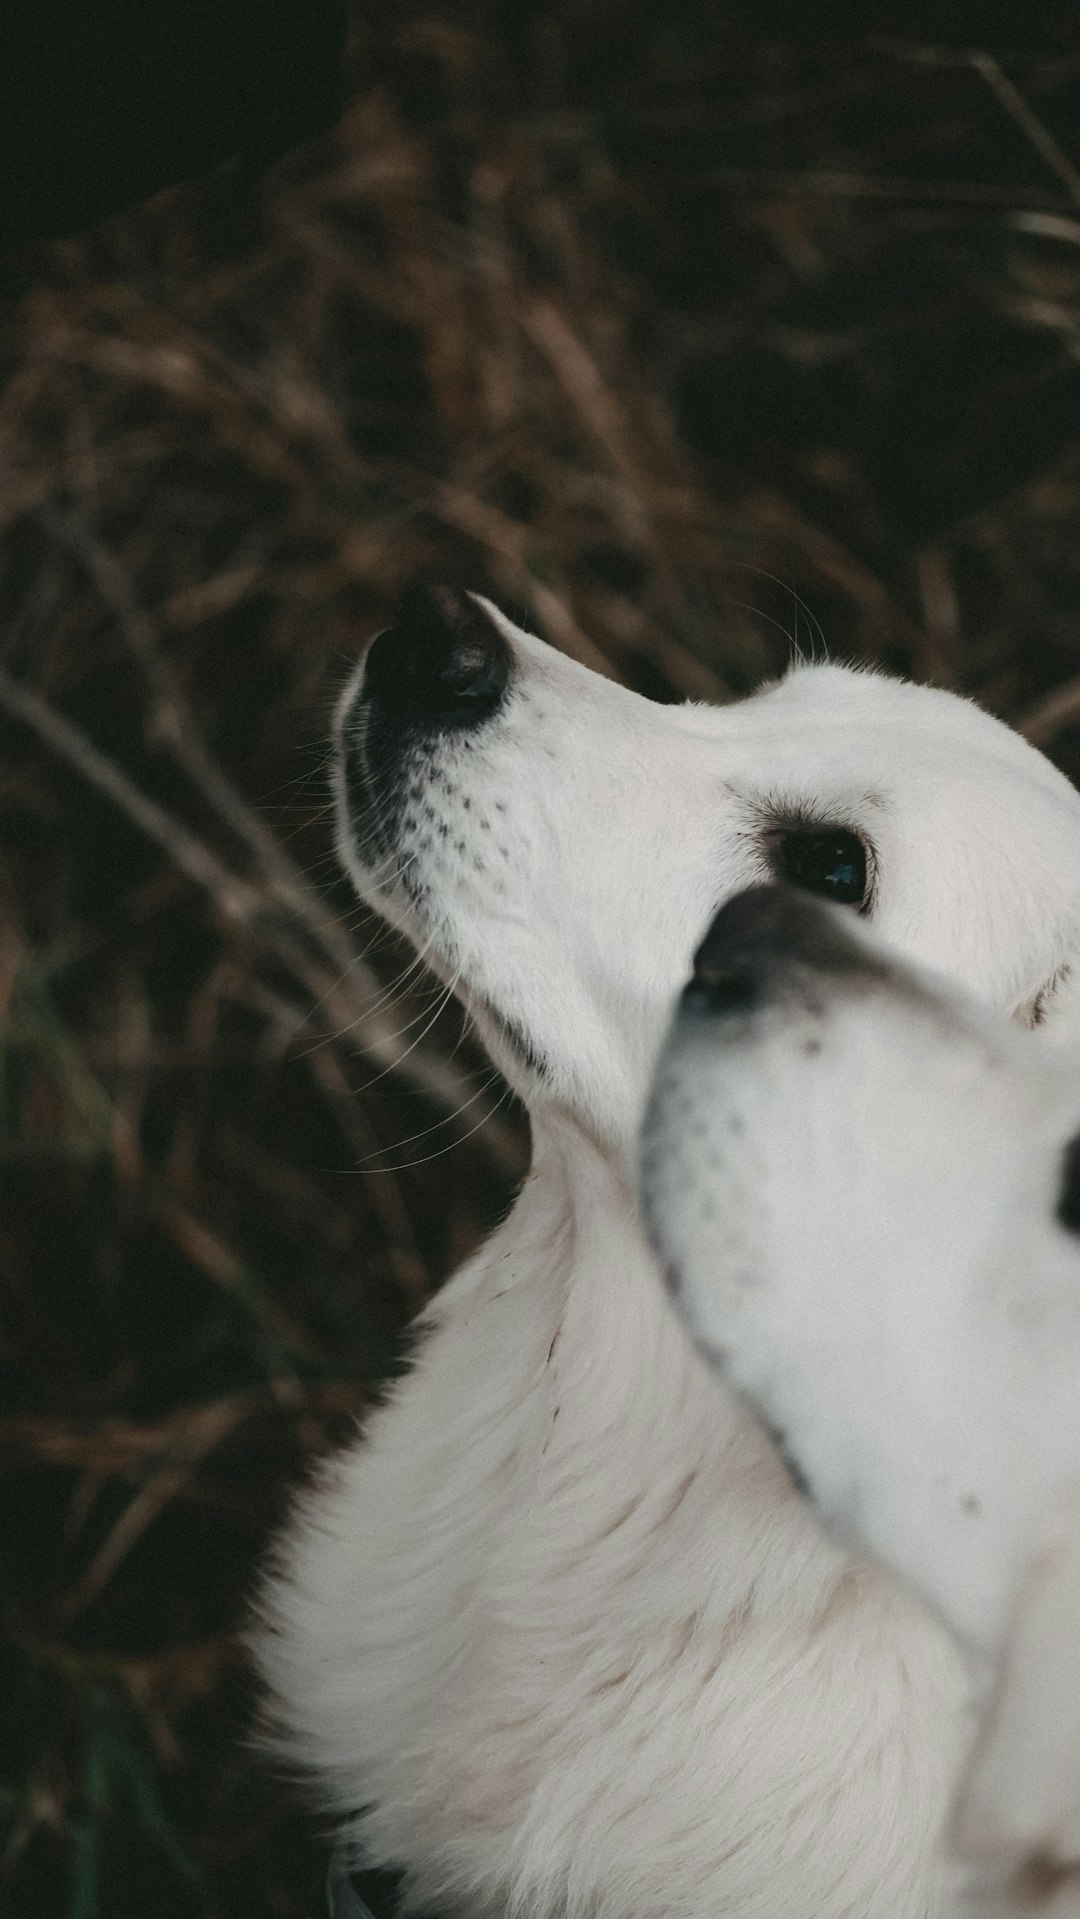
[391,834]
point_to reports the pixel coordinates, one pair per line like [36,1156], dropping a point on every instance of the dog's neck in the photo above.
[589,1172]
[560,1347]
[593,1326]
[586,1185]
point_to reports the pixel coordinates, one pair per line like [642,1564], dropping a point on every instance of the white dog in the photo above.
[558,1637]
[866,1192]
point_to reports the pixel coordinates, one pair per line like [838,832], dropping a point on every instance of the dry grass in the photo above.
[689,345]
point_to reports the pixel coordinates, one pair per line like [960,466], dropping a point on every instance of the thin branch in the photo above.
[200,1434]
[1050,716]
[1005,91]
[234,897]
[1028,121]
[334,1004]
[762,181]
[175,727]
[116,1448]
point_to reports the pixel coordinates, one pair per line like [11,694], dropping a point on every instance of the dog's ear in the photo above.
[1055,1012]
[1020,1803]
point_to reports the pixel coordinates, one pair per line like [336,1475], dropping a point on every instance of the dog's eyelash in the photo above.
[797,811]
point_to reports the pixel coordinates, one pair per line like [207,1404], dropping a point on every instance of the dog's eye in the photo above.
[829,860]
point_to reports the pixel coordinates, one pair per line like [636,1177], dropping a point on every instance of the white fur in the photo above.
[558,1636]
[855,1186]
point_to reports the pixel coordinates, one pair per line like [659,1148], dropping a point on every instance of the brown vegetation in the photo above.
[690,345]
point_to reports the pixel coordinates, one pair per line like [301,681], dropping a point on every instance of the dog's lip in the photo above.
[367,824]
[511,1031]
[363,800]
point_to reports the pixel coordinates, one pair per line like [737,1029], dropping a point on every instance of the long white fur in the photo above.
[856,1187]
[557,1636]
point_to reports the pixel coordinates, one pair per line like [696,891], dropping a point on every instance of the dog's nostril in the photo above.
[732,989]
[444,663]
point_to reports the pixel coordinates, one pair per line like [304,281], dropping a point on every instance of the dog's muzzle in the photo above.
[443,667]
[439,673]
[766,943]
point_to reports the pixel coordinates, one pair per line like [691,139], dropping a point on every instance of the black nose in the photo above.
[762,937]
[443,664]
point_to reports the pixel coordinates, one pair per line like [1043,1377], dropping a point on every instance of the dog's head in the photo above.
[865,1192]
[555,844]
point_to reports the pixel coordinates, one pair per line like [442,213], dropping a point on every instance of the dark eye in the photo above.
[826,860]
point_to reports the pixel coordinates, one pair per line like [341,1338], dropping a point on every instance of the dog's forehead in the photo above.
[859,740]
[858,731]
[926,719]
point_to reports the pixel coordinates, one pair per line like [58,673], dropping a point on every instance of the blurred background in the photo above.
[692,343]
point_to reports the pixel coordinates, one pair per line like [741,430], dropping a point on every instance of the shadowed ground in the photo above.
[693,346]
